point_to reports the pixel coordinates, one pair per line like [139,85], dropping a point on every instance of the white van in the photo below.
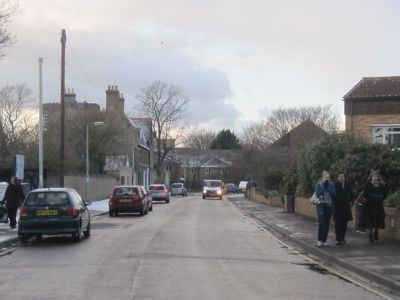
[213,188]
[242,186]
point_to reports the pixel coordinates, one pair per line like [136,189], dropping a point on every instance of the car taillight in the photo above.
[165,191]
[137,198]
[71,211]
[23,212]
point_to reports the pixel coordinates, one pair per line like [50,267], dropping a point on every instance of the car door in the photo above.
[83,210]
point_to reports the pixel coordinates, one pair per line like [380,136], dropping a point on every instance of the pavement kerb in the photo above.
[328,258]
[14,239]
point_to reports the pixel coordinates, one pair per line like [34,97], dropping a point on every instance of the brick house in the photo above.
[372,110]
[290,146]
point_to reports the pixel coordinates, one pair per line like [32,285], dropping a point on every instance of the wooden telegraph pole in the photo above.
[62,106]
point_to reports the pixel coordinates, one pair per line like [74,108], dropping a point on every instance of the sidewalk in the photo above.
[9,236]
[378,262]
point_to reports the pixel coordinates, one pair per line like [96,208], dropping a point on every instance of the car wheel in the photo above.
[220,197]
[110,213]
[87,232]
[77,237]
[204,197]
[23,238]
[167,201]
[39,237]
[151,207]
[116,213]
[147,209]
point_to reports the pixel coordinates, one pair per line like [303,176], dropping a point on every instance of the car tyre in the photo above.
[167,201]
[23,238]
[204,197]
[39,237]
[87,232]
[220,197]
[77,237]
[110,213]
[151,207]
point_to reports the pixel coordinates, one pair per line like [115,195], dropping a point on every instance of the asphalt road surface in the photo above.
[187,249]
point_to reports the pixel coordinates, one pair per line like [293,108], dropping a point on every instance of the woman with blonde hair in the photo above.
[325,192]
[375,193]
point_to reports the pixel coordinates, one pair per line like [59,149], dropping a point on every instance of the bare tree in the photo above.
[165,104]
[7,9]
[198,138]
[282,120]
[18,127]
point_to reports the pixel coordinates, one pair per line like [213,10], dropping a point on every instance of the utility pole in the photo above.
[62,106]
[40,124]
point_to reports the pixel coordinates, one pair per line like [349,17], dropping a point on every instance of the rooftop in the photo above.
[375,87]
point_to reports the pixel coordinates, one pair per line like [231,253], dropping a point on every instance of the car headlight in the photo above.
[204,191]
[219,192]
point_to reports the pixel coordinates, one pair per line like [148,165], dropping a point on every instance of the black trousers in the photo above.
[324,213]
[340,229]
[12,216]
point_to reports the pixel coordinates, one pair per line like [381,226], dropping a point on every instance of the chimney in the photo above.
[70,96]
[114,100]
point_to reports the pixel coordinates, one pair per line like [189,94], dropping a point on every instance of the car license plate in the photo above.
[50,212]
[125,200]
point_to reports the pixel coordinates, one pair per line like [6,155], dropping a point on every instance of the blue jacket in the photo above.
[321,191]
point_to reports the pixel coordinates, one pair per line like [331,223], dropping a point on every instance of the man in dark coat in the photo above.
[13,198]
[343,201]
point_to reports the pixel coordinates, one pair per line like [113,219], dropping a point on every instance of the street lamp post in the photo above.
[87,154]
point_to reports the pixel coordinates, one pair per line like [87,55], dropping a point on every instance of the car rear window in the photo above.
[176,185]
[47,199]
[212,183]
[156,187]
[126,191]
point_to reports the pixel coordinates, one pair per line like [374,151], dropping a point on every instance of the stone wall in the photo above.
[99,187]
[274,201]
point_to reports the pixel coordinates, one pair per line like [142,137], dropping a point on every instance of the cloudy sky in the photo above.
[235,59]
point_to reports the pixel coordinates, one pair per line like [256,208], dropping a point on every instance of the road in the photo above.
[187,249]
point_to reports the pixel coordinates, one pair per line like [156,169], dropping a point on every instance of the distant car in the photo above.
[159,192]
[213,188]
[178,189]
[53,211]
[129,199]
[231,188]
[242,186]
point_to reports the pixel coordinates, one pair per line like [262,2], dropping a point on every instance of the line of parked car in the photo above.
[55,211]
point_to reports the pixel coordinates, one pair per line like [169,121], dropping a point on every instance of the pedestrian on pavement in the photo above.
[325,192]
[13,198]
[342,203]
[375,193]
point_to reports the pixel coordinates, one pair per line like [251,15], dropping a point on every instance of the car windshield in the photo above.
[156,187]
[47,199]
[213,183]
[176,185]
[123,191]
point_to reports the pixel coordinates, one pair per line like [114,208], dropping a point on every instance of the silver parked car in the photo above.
[178,189]
[159,192]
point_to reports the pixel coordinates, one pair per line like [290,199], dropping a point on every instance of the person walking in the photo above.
[325,192]
[342,203]
[375,193]
[13,198]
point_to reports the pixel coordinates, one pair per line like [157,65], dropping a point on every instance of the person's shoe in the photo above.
[371,239]
[324,244]
[338,243]
[319,244]
[344,242]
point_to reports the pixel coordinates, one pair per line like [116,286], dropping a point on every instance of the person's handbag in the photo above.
[314,199]
[361,198]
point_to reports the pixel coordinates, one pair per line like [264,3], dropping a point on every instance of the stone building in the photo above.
[129,157]
[372,110]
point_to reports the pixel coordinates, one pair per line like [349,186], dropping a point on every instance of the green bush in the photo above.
[393,200]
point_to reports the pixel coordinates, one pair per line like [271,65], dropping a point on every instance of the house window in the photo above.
[386,134]
[192,170]
[207,170]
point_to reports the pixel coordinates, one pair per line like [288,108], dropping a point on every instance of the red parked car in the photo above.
[129,199]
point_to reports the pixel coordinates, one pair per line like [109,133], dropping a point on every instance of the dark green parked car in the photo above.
[53,211]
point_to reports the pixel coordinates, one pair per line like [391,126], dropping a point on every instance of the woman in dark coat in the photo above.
[13,198]
[343,201]
[375,193]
